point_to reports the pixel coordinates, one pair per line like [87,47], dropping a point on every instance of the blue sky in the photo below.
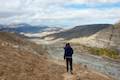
[64,13]
[98,6]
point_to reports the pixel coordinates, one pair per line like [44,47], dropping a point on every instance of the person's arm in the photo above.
[64,56]
[64,53]
[72,50]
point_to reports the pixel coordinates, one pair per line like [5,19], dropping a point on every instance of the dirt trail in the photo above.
[85,75]
[81,72]
[68,76]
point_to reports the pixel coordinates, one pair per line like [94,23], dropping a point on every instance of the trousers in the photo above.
[69,63]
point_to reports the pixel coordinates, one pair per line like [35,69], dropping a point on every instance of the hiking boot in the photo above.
[71,72]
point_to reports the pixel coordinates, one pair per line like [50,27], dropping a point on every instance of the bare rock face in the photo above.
[109,37]
[103,37]
[115,38]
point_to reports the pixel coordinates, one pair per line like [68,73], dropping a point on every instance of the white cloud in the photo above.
[53,12]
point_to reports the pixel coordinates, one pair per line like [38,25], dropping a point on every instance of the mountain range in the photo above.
[27,28]
[80,31]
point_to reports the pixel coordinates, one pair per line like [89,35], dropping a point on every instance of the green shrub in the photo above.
[104,52]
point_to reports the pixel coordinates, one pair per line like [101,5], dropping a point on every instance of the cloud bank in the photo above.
[65,13]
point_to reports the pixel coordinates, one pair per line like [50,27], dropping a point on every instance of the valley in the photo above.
[21,59]
[59,39]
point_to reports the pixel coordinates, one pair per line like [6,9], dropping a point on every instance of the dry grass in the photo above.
[27,66]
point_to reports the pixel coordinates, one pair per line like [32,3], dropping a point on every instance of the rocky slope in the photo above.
[110,37]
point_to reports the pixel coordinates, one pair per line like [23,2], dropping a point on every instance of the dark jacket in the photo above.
[68,52]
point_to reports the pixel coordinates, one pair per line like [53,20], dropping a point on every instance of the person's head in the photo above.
[67,44]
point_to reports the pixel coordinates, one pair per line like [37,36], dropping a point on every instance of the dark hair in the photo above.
[67,44]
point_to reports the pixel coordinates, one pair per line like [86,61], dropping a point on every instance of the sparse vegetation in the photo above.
[111,53]
[104,52]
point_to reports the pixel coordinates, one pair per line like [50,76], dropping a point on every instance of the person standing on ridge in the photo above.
[68,52]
